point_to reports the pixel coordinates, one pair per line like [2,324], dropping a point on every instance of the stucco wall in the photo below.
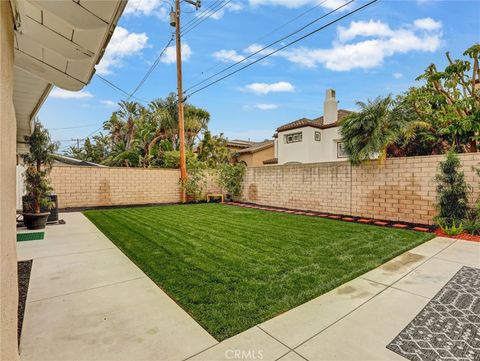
[309,150]
[400,189]
[8,256]
[93,187]
[256,159]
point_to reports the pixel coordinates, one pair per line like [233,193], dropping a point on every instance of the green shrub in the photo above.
[452,229]
[196,183]
[472,226]
[452,191]
[230,177]
[171,158]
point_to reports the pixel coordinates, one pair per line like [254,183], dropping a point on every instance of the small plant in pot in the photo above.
[38,162]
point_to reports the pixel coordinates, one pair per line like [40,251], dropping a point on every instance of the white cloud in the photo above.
[363,28]
[427,24]
[108,103]
[66,94]
[398,75]
[122,44]
[227,55]
[294,4]
[265,106]
[159,8]
[265,88]
[170,55]
[381,42]
[230,7]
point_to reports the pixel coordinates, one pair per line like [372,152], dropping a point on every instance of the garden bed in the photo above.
[464,236]
[232,268]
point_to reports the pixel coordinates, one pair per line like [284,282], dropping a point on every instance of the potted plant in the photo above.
[38,162]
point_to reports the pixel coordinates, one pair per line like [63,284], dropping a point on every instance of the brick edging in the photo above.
[340,217]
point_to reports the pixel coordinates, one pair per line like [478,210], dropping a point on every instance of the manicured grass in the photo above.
[232,268]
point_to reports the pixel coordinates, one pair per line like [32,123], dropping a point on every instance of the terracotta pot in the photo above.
[35,220]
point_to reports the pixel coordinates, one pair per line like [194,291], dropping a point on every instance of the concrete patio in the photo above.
[87,301]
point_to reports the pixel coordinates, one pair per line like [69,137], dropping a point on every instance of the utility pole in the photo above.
[78,140]
[181,121]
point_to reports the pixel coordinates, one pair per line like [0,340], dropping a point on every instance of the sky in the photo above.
[377,51]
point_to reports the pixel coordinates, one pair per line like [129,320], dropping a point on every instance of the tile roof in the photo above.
[257,147]
[316,123]
[238,143]
[271,161]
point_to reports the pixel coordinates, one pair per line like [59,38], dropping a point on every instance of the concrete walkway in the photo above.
[87,301]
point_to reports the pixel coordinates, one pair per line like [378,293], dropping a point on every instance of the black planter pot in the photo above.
[53,217]
[35,220]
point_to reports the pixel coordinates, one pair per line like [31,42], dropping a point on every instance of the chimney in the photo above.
[330,111]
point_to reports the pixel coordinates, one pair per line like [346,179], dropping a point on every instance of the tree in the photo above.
[450,100]
[196,120]
[230,177]
[213,150]
[442,114]
[379,124]
[129,112]
[139,136]
[39,161]
[452,191]
[93,150]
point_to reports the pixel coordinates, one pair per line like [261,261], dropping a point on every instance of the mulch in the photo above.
[463,236]
[24,268]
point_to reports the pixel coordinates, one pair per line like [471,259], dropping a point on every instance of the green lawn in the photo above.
[232,268]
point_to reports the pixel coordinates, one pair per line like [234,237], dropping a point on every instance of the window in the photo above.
[318,136]
[293,138]
[341,152]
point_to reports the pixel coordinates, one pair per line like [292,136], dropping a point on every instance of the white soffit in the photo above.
[46,33]
[29,93]
[57,42]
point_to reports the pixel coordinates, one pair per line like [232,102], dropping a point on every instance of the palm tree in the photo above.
[129,112]
[379,124]
[196,120]
[114,125]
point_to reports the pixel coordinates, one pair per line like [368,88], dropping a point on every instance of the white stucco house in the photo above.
[311,140]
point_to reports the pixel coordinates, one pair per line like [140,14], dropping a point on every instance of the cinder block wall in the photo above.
[92,186]
[98,186]
[400,189]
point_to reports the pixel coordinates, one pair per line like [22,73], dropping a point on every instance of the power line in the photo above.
[185,32]
[283,47]
[116,87]
[152,68]
[77,127]
[193,26]
[272,31]
[269,45]
[200,15]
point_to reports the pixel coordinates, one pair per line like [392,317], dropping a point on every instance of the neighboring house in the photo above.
[42,44]
[311,140]
[237,144]
[63,160]
[256,154]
